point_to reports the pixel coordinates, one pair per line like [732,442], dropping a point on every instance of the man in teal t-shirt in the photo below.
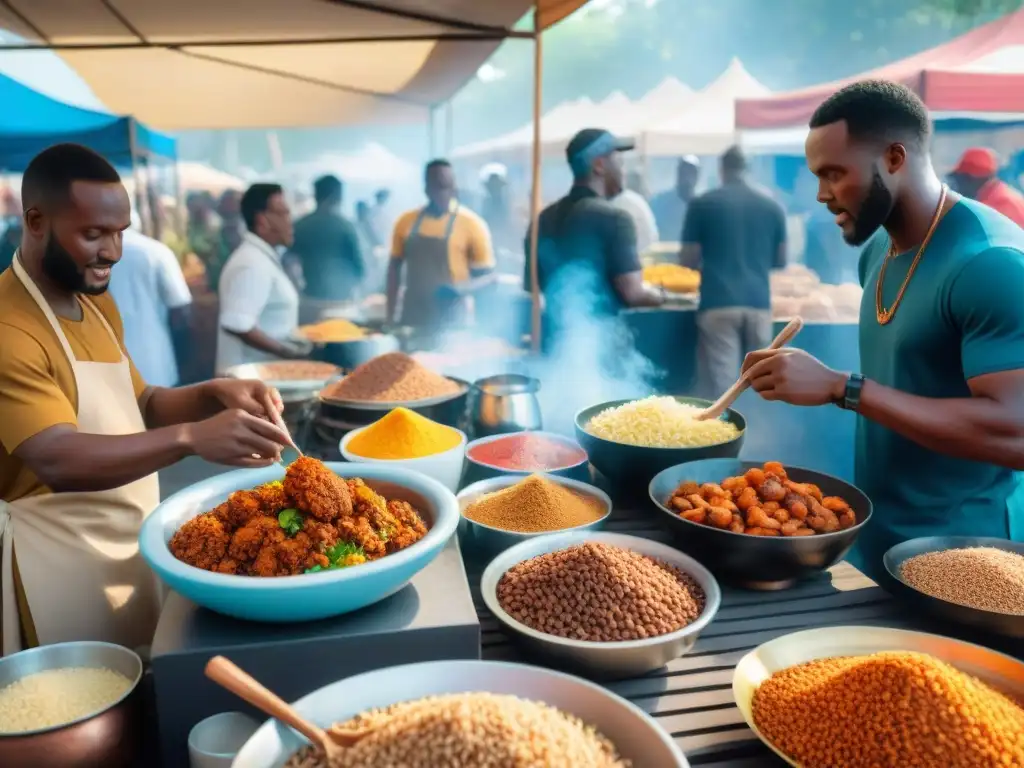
[940,398]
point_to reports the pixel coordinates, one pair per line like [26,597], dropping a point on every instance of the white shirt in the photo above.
[146,285]
[634,204]
[254,292]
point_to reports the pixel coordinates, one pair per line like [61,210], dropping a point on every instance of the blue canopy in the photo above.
[31,122]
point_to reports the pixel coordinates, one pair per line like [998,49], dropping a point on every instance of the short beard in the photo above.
[63,272]
[874,211]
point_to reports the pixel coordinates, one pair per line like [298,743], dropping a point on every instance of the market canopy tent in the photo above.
[977,76]
[273,63]
[32,121]
[706,125]
[521,138]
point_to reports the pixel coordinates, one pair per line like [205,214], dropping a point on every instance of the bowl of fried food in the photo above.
[760,525]
[298,544]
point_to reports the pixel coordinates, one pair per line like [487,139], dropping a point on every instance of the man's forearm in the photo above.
[975,428]
[180,405]
[68,460]
[257,339]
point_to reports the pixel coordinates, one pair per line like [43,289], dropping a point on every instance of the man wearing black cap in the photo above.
[735,234]
[588,266]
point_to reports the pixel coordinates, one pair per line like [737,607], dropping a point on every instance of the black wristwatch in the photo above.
[851,396]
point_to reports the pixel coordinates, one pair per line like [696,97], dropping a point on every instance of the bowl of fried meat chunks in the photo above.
[317,539]
[760,524]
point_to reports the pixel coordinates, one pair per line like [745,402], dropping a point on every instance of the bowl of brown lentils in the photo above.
[607,604]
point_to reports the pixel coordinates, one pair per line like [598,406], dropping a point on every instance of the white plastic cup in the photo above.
[445,467]
[214,742]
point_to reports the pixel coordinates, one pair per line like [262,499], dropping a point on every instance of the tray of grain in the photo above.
[976,582]
[878,696]
[391,381]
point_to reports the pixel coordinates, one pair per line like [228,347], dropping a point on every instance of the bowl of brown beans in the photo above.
[607,604]
[760,525]
[469,713]
[975,582]
[836,696]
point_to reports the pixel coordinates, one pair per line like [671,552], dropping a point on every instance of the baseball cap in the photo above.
[979,162]
[591,143]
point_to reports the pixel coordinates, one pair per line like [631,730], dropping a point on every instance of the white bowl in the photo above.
[1002,672]
[624,658]
[635,734]
[445,467]
[486,540]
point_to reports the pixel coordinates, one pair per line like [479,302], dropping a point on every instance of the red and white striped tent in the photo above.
[979,75]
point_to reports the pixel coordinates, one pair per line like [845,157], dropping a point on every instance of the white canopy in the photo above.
[272,63]
[706,125]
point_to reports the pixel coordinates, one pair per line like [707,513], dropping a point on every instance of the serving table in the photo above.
[430,619]
[691,697]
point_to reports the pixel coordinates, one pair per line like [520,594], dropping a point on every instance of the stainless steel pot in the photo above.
[105,739]
[505,403]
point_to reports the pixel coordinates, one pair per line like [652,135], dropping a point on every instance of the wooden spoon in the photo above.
[720,405]
[227,675]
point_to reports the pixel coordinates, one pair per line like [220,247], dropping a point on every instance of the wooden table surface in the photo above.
[691,698]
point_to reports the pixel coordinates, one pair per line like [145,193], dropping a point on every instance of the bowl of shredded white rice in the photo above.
[630,441]
[69,704]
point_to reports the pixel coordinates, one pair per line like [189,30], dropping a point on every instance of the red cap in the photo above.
[978,162]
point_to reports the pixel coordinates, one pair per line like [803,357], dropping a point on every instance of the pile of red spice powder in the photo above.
[527,452]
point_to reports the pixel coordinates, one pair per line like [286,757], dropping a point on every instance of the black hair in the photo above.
[434,165]
[327,188]
[876,110]
[49,176]
[256,200]
[733,160]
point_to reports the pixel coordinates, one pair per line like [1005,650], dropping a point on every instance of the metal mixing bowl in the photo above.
[104,739]
[486,541]
[758,562]
[634,733]
[1006,624]
[1001,672]
[627,658]
[631,467]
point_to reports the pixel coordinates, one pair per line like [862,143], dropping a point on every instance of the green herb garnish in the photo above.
[314,569]
[290,520]
[342,550]
[385,533]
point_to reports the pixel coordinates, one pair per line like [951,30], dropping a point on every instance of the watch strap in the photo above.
[851,397]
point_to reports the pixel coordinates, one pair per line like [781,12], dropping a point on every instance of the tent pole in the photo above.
[137,178]
[449,128]
[535,196]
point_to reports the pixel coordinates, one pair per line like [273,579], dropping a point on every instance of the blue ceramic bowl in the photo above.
[309,596]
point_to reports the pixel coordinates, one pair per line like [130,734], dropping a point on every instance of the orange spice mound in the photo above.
[391,378]
[888,709]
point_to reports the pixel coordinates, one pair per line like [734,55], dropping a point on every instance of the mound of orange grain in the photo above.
[888,709]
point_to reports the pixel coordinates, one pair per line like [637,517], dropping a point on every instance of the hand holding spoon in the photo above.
[720,405]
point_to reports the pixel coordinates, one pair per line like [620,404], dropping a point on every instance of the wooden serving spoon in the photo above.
[229,676]
[720,405]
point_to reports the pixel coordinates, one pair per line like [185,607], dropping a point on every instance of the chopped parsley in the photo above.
[341,555]
[385,533]
[290,520]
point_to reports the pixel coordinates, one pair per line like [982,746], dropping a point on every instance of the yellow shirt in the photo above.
[37,385]
[469,246]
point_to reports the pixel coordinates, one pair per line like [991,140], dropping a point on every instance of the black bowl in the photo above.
[1005,624]
[758,562]
[631,467]
[353,353]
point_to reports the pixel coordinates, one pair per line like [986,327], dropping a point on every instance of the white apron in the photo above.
[78,553]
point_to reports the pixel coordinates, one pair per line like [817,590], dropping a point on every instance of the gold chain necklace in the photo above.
[886,315]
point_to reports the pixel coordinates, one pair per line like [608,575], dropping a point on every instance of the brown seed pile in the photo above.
[533,505]
[391,378]
[601,594]
[888,709]
[978,577]
[469,730]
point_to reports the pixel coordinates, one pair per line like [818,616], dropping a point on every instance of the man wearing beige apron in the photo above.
[81,435]
[446,253]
